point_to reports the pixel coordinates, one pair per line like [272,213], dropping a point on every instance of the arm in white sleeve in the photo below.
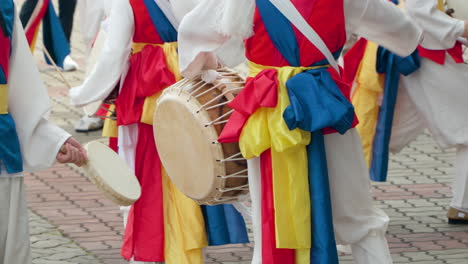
[214,30]
[29,105]
[440,30]
[113,59]
[384,23]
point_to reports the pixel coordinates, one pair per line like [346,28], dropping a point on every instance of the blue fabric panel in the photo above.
[7,13]
[280,31]
[10,151]
[317,103]
[323,249]
[54,38]
[163,26]
[224,225]
[3,79]
[392,65]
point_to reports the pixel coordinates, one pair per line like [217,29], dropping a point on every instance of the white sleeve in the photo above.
[113,59]
[440,30]
[214,30]
[384,23]
[29,105]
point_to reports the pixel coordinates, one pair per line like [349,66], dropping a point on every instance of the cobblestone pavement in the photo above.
[71,221]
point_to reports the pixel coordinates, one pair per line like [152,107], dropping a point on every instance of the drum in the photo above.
[458,8]
[188,119]
[111,174]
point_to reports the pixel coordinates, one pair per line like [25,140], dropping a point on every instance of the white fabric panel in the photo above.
[113,60]
[29,104]
[255,185]
[460,184]
[441,30]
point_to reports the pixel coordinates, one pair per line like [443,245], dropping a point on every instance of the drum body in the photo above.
[111,174]
[188,119]
[460,8]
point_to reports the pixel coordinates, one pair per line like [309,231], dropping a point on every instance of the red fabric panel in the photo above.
[352,60]
[271,254]
[147,75]
[325,16]
[4,53]
[260,91]
[144,235]
[113,144]
[145,32]
[34,22]
[438,56]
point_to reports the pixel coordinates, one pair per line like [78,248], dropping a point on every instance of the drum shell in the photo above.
[205,106]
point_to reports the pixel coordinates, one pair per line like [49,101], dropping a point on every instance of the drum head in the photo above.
[187,145]
[111,174]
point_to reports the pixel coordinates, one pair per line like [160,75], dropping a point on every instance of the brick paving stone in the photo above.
[416,198]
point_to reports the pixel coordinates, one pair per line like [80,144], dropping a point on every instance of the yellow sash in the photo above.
[3,99]
[441,5]
[365,98]
[266,129]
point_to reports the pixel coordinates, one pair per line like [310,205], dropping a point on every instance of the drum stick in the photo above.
[57,69]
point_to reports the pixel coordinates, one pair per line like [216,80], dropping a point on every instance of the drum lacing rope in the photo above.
[179,84]
[235,175]
[238,188]
[217,122]
[226,91]
[217,105]
[232,158]
[107,109]
[205,92]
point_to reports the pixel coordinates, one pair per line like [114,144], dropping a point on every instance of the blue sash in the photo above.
[163,26]
[311,94]
[392,65]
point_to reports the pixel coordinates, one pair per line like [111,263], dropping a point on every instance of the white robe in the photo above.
[435,97]
[29,105]
[113,61]
[215,30]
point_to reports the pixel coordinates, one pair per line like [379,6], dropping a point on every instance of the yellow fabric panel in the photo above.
[3,99]
[149,107]
[302,256]
[33,43]
[266,129]
[110,128]
[184,227]
[441,5]
[172,60]
[366,97]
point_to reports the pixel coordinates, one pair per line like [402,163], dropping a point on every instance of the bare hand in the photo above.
[72,152]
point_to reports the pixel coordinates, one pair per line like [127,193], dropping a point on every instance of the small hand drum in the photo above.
[111,174]
[188,119]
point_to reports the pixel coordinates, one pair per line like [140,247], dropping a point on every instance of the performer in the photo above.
[56,30]
[28,141]
[291,99]
[163,225]
[414,100]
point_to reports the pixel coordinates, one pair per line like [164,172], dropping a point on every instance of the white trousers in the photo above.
[15,247]
[357,221]
[410,121]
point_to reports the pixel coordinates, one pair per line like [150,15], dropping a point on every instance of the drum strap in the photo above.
[293,15]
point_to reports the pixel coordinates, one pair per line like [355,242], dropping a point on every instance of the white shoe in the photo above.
[88,124]
[69,64]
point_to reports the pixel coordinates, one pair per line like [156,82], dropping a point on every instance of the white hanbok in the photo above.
[40,142]
[214,32]
[435,97]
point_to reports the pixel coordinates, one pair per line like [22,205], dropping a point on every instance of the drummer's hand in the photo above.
[72,152]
